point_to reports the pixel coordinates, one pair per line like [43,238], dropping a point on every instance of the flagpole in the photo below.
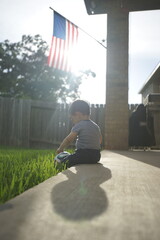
[81,29]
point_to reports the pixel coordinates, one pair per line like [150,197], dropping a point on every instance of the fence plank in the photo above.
[41,123]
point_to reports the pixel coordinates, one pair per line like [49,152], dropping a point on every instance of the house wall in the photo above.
[156,87]
[153,108]
[148,90]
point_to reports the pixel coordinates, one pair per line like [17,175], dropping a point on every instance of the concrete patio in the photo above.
[118,199]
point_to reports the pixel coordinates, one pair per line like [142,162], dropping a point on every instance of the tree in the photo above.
[24,72]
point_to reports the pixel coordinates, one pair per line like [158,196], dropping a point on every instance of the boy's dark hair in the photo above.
[80,106]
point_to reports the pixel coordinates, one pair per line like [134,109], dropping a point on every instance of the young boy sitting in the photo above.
[86,133]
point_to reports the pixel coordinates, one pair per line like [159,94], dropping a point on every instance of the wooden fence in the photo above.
[36,124]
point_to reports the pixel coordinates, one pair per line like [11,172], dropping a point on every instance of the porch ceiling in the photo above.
[104,6]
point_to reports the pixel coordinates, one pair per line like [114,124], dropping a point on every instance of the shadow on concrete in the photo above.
[6,206]
[151,157]
[80,197]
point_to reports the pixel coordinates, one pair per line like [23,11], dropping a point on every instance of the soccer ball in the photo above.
[60,157]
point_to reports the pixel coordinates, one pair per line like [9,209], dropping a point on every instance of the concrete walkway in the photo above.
[116,200]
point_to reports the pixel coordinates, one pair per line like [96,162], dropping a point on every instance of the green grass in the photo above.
[22,169]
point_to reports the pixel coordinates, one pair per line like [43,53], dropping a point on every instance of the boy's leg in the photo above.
[83,156]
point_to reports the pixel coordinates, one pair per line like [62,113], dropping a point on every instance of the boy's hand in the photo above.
[59,150]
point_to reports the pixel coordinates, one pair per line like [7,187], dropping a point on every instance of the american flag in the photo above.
[64,41]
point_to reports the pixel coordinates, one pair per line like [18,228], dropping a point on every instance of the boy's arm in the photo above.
[67,141]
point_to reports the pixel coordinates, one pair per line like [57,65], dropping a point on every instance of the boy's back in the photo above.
[88,135]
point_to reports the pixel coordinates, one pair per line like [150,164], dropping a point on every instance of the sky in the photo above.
[33,17]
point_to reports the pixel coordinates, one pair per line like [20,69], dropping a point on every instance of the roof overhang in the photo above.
[154,77]
[104,6]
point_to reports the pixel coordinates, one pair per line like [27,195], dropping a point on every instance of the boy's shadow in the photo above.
[80,197]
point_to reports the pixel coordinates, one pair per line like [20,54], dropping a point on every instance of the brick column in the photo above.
[116,114]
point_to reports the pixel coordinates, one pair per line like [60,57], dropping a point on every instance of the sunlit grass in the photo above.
[21,169]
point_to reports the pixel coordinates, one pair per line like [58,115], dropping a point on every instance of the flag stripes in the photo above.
[62,51]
